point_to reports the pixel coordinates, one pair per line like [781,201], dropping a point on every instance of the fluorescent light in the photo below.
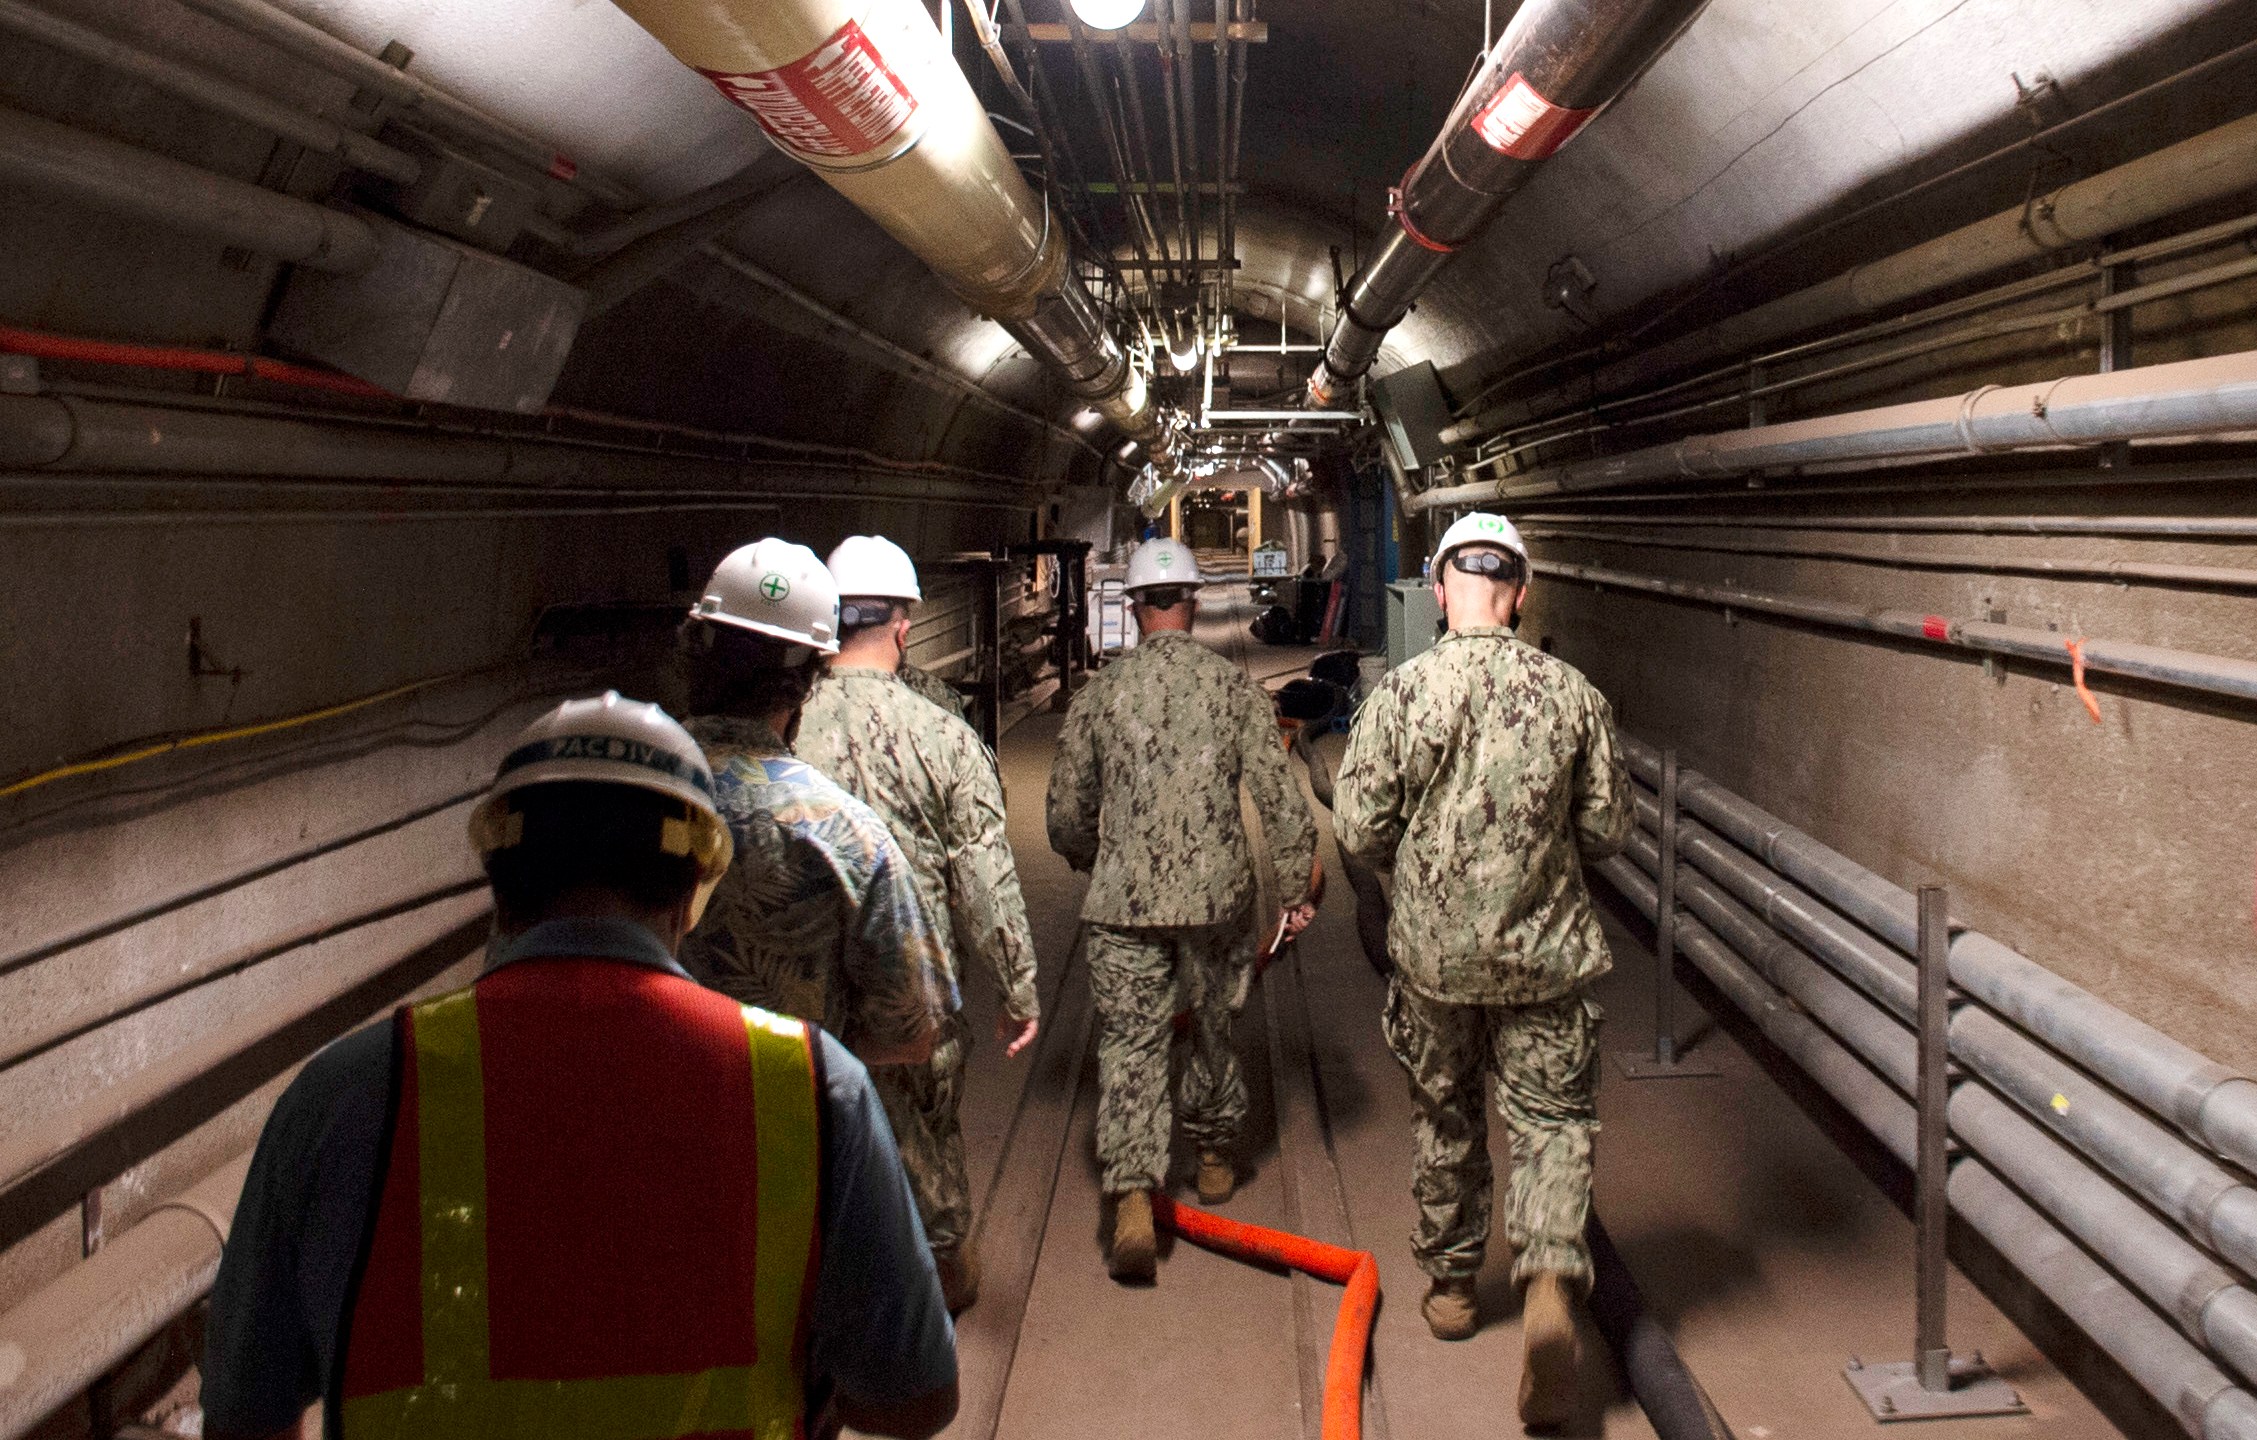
[1107,14]
[1186,359]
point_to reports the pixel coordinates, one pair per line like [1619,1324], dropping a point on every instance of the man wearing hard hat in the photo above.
[584,1186]
[1144,794]
[1485,774]
[927,774]
[820,917]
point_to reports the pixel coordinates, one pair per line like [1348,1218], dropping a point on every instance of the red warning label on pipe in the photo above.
[1523,124]
[840,99]
[1935,627]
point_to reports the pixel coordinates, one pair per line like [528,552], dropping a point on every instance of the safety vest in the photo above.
[597,1219]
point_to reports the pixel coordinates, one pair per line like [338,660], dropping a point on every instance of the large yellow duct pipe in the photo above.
[864,93]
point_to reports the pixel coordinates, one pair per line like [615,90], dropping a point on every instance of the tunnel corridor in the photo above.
[1873,384]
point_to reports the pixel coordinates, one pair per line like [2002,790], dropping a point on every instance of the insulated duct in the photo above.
[868,97]
[1558,64]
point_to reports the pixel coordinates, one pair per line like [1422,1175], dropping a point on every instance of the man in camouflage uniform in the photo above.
[820,916]
[1144,794]
[1484,773]
[927,775]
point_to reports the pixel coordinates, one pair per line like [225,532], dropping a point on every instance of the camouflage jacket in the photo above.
[1483,773]
[935,689]
[928,776]
[819,915]
[1144,790]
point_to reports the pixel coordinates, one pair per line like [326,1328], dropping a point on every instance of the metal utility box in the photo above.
[435,319]
[459,196]
[1412,413]
[1412,617]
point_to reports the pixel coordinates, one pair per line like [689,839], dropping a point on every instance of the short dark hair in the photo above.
[740,672]
[588,834]
[1162,597]
[867,612]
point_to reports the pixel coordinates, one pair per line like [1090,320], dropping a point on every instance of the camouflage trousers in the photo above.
[1543,1061]
[921,1102]
[1139,978]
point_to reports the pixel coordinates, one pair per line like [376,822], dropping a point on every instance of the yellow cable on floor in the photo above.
[214,737]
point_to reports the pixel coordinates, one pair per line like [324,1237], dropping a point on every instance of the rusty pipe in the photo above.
[1557,65]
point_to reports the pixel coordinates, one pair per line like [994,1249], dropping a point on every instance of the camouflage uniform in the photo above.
[1144,795]
[925,683]
[818,916]
[1484,773]
[928,777]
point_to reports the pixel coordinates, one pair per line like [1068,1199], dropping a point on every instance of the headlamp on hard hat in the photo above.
[1493,564]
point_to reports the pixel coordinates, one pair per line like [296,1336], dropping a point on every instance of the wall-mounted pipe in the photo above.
[1557,65]
[2201,1396]
[870,100]
[212,92]
[124,180]
[2215,395]
[2214,1106]
[85,1322]
[2196,171]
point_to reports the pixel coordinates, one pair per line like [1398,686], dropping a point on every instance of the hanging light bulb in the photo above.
[1183,353]
[1107,14]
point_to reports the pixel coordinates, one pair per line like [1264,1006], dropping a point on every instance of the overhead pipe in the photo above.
[87,1321]
[1555,67]
[2196,171]
[2139,527]
[870,100]
[2161,1360]
[2185,399]
[125,180]
[2211,1104]
[211,92]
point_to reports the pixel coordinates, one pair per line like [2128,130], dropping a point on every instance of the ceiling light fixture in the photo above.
[1107,14]
[1186,359]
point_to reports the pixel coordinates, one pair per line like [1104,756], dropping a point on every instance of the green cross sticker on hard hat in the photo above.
[775,586]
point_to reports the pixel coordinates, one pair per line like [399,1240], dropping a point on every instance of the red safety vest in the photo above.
[598,1218]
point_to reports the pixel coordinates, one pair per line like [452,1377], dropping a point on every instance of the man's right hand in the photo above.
[1016,1035]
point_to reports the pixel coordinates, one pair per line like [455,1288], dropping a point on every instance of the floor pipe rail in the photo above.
[2186,1382]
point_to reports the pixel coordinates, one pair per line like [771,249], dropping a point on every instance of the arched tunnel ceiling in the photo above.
[1763,115]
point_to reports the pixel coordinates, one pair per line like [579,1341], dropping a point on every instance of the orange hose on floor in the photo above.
[1356,1269]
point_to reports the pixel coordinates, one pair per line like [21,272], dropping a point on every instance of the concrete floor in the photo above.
[1764,1250]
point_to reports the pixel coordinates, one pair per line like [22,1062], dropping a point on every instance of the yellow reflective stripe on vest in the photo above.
[460,1399]
[783,1098]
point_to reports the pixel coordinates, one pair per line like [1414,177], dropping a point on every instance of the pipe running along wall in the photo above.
[1558,64]
[870,99]
[2216,395]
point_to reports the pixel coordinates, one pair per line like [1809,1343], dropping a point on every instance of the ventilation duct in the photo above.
[868,97]
[1558,64]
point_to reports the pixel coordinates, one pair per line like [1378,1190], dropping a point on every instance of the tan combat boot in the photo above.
[1136,1249]
[1217,1177]
[959,1276]
[1547,1374]
[1450,1310]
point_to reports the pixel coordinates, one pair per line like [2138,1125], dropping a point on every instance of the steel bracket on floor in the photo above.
[1895,1392]
[1663,1062]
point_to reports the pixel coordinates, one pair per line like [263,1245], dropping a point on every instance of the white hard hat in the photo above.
[775,588]
[1162,562]
[874,566]
[612,740]
[1481,528]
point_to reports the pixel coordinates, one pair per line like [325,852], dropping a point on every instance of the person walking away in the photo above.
[929,777]
[1485,774]
[585,1195]
[1144,795]
[820,916]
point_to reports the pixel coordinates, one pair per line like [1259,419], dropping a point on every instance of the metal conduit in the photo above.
[2144,527]
[2186,1382]
[1555,67]
[210,91]
[411,93]
[2176,669]
[2214,1106]
[2216,577]
[2203,168]
[121,179]
[2187,398]
[2208,1302]
[84,1323]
